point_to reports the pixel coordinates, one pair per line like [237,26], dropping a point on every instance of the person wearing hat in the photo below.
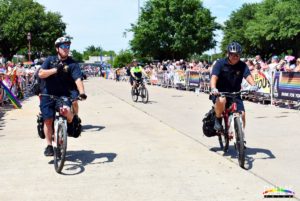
[60,70]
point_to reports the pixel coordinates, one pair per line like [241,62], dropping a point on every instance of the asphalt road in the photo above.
[134,152]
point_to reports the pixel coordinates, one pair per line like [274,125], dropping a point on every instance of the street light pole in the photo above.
[29,39]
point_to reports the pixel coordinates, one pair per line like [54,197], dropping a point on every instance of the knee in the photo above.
[48,122]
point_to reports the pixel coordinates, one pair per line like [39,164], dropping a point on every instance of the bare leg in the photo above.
[75,107]
[220,106]
[48,130]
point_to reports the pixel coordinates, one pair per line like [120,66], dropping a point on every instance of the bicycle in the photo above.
[60,135]
[139,90]
[233,124]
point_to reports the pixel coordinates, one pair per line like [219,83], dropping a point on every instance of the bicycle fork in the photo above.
[58,121]
[231,124]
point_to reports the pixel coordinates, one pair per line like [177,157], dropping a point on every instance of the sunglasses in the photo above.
[234,55]
[64,46]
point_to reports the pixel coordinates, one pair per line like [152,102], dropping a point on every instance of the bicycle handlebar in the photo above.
[233,94]
[60,98]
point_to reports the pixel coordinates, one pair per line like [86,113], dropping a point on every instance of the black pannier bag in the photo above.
[208,123]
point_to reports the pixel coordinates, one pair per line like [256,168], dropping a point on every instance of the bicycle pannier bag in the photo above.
[208,123]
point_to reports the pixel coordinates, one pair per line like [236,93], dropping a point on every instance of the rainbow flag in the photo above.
[16,103]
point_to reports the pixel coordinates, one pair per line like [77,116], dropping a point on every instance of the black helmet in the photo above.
[234,47]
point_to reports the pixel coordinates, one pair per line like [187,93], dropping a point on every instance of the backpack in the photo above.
[36,86]
[208,123]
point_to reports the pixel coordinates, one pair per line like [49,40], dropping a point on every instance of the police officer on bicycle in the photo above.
[227,76]
[60,76]
[136,72]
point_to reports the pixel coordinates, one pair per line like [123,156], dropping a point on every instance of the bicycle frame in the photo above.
[233,127]
[59,137]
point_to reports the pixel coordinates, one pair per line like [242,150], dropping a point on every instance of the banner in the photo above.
[287,86]
[194,78]
[262,80]
[16,103]
[179,77]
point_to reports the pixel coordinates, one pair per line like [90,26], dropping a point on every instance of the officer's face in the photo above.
[64,50]
[234,58]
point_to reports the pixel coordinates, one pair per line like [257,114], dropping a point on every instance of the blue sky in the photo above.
[103,22]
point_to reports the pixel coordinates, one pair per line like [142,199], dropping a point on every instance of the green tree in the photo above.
[18,17]
[97,51]
[173,29]
[123,58]
[234,28]
[77,56]
[276,27]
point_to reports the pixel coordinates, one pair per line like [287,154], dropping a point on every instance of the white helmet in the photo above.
[63,39]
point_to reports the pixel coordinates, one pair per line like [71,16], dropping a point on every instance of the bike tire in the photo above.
[60,147]
[134,94]
[239,137]
[144,95]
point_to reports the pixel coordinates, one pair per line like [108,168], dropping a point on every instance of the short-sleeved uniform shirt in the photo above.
[61,84]
[137,71]
[230,77]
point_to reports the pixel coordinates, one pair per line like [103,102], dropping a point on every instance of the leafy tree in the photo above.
[276,27]
[234,28]
[173,29]
[96,51]
[266,28]
[19,17]
[77,56]
[123,58]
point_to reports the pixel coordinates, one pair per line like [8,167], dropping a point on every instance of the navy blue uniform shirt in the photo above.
[60,84]
[230,77]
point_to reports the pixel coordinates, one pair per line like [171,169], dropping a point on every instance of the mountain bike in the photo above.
[233,125]
[60,135]
[140,90]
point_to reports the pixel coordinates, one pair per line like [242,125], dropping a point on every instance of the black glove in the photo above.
[59,66]
[83,96]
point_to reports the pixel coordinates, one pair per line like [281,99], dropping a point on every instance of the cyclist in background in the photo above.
[136,72]
[227,76]
[59,70]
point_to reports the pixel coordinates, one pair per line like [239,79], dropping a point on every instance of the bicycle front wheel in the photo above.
[144,95]
[60,147]
[239,137]
[134,94]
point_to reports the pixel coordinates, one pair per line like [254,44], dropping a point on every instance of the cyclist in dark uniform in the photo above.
[227,76]
[58,75]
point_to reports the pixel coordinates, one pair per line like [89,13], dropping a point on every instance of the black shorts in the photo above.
[239,102]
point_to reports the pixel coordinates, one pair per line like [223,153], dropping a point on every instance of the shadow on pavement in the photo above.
[249,160]
[77,160]
[92,128]
[3,110]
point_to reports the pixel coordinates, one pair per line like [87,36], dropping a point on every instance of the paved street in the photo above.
[148,152]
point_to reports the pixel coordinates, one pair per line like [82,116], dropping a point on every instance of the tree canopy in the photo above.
[270,27]
[173,29]
[18,18]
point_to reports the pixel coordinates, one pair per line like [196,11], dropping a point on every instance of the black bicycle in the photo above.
[140,90]
[233,125]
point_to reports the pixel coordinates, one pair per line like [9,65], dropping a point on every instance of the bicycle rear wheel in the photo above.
[144,94]
[239,137]
[60,147]
[134,94]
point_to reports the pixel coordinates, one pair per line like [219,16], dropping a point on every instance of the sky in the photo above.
[103,22]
